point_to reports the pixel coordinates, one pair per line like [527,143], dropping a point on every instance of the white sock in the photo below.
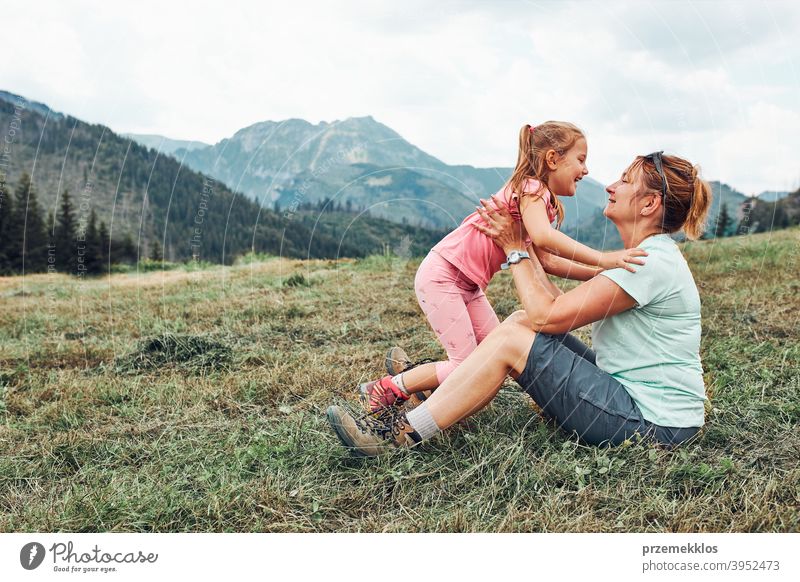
[422,421]
[398,381]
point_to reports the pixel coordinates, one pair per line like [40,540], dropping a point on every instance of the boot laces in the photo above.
[388,422]
[419,363]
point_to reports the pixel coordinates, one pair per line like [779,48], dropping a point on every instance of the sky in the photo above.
[717,82]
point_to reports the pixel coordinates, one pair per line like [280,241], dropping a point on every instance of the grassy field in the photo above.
[194,401]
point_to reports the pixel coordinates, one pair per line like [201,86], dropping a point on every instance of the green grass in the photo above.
[194,401]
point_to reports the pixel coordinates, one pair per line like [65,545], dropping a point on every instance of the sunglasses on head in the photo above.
[657,161]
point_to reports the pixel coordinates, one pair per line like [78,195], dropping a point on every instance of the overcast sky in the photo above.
[715,81]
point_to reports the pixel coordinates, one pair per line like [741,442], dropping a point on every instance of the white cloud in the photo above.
[457,79]
[755,151]
[34,68]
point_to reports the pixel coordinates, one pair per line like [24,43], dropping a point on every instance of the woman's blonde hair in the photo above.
[534,143]
[688,197]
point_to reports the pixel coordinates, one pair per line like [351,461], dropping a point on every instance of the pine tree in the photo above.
[15,230]
[51,245]
[156,253]
[36,237]
[65,236]
[6,212]
[125,251]
[105,246]
[91,247]
[723,221]
[25,227]
[782,219]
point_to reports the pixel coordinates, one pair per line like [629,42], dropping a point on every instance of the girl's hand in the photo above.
[501,227]
[623,259]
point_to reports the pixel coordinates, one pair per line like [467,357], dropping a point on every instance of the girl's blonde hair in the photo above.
[688,198]
[531,162]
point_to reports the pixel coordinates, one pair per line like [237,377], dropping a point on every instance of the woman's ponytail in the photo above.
[688,197]
[695,224]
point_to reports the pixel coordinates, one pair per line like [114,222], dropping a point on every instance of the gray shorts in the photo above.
[562,377]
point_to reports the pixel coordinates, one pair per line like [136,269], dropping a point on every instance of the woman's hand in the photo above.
[623,259]
[507,233]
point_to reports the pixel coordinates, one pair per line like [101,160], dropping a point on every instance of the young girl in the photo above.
[451,280]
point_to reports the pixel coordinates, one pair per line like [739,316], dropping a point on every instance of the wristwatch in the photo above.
[513,258]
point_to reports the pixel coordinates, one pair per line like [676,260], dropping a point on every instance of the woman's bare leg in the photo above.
[424,377]
[475,382]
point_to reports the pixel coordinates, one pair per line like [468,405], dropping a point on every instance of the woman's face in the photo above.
[570,168]
[622,198]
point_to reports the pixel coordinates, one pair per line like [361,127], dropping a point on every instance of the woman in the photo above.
[644,376]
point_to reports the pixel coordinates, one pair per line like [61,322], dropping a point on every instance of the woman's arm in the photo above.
[591,301]
[543,235]
[551,288]
[588,302]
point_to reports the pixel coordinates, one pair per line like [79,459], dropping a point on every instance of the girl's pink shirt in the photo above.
[474,253]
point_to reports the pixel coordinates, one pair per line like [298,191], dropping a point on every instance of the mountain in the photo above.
[763,216]
[135,190]
[163,144]
[772,195]
[722,193]
[39,108]
[362,163]
[415,197]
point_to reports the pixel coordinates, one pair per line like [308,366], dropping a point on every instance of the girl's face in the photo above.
[570,168]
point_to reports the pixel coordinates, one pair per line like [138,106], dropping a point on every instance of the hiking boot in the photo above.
[373,433]
[379,394]
[397,361]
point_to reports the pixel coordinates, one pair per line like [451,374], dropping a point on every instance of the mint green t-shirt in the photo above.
[653,349]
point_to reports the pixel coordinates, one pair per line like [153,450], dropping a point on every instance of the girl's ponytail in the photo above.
[525,152]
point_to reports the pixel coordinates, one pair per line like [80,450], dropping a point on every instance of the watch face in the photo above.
[513,257]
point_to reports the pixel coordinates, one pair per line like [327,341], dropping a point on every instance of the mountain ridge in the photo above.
[281,162]
[283,166]
[164,144]
[357,163]
[138,191]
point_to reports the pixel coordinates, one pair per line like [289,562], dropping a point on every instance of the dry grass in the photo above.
[194,401]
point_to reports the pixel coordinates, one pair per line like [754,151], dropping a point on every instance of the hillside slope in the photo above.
[195,401]
[136,190]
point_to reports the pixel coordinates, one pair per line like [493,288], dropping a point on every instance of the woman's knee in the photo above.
[519,317]
[513,341]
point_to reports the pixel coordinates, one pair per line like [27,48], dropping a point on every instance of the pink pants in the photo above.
[456,308]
